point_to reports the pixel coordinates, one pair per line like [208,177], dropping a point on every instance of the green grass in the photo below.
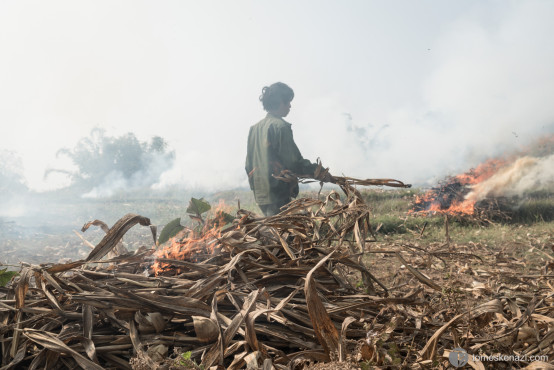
[390,212]
[528,235]
[53,224]
[534,210]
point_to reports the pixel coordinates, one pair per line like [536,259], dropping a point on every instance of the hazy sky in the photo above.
[412,90]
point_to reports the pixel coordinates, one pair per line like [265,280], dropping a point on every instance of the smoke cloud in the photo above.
[116,182]
[524,175]
[487,94]
[380,92]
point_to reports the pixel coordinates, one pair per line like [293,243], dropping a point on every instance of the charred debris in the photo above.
[280,292]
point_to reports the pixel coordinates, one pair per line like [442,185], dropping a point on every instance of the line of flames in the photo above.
[431,202]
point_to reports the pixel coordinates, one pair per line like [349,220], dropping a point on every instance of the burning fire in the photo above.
[496,177]
[506,180]
[186,247]
[450,196]
[192,246]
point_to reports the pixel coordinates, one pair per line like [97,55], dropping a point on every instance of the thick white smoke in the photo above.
[524,175]
[489,93]
[373,99]
[115,182]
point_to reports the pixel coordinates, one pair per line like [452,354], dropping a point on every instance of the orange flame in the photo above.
[190,246]
[450,197]
[459,194]
[481,172]
[185,246]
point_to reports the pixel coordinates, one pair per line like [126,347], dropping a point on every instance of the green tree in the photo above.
[124,161]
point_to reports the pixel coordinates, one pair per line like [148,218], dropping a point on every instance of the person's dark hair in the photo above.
[275,94]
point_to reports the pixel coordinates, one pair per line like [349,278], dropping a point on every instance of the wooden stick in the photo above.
[423,229]
[446,222]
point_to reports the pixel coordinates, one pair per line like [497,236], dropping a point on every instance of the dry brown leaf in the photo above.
[47,340]
[424,279]
[213,353]
[115,234]
[429,351]
[206,329]
[342,341]
[22,287]
[539,365]
[325,331]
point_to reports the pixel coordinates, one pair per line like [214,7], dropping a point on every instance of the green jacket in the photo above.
[271,149]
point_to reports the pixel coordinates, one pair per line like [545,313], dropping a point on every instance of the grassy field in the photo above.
[522,240]
[49,235]
[453,265]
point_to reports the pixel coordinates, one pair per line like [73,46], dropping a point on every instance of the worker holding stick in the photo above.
[274,164]
[272,150]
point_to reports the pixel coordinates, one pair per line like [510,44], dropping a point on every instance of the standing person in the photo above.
[271,149]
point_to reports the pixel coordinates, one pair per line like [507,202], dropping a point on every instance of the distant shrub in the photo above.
[105,164]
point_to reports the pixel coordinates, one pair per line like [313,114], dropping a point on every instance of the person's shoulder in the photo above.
[258,125]
[277,122]
[272,121]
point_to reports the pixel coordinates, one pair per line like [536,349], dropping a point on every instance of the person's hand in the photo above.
[322,174]
[327,177]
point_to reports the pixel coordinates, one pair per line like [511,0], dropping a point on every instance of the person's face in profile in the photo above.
[283,110]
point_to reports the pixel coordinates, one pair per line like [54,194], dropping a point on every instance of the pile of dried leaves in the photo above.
[281,292]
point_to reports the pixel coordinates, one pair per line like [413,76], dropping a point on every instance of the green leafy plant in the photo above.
[170,230]
[185,360]
[197,207]
[6,276]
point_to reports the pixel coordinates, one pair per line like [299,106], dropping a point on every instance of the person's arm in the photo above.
[249,167]
[288,153]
